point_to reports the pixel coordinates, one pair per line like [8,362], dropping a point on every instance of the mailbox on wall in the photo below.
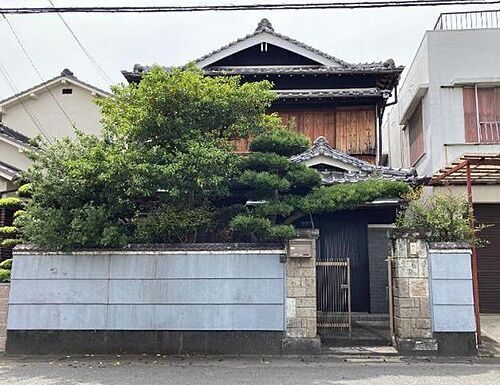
[300,248]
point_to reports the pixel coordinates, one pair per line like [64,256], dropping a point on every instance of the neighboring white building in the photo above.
[52,109]
[449,106]
[435,119]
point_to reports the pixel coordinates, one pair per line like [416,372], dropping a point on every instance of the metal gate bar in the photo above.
[334,294]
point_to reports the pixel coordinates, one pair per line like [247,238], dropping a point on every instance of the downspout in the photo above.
[381,114]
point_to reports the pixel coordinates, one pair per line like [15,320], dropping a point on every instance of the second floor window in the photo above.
[482,114]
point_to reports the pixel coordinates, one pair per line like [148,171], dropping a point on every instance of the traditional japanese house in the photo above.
[339,106]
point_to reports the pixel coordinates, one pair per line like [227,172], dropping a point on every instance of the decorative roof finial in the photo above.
[264,25]
[67,72]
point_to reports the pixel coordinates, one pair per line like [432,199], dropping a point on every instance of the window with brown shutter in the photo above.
[416,135]
[482,114]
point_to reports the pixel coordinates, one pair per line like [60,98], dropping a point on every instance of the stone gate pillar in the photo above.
[300,309]
[410,282]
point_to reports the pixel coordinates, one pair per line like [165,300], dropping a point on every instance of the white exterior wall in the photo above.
[13,155]
[79,106]
[444,61]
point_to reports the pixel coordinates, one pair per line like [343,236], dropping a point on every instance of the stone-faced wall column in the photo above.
[412,319]
[4,304]
[300,306]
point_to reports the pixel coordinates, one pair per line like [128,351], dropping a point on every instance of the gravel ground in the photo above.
[145,370]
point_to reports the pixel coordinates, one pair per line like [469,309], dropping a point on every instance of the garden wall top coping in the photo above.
[198,248]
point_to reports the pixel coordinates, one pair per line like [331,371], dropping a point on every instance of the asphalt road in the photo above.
[146,370]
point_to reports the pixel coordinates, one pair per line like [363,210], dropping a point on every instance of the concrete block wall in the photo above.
[4,304]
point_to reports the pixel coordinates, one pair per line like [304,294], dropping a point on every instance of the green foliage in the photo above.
[439,218]
[6,265]
[260,229]
[6,231]
[25,190]
[281,142]
[171,224]
[10,242]
[4,275]
[302,178]
[166,143]
[269,175]
[12,203]
[263,183]
[351,195]
[19,213]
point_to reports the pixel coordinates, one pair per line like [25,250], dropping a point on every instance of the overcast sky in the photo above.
[117,41]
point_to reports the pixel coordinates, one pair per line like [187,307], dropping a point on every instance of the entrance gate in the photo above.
[333,276]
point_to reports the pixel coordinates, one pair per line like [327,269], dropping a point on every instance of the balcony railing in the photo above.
[489,132]
[468,20]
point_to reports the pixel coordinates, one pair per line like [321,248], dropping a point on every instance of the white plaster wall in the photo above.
[79,106]
[13,155]
[444,60]
[415,76]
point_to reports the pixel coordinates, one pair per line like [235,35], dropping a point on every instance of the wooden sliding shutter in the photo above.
[312,123]
[470,114]
[356,130]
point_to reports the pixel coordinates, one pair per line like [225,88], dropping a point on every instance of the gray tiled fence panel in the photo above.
[206,291]
[46,291]
[195,317]
[192,265]
[154,291]
[57,317]
[452,303]
[59,266]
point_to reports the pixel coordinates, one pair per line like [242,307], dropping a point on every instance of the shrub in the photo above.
[439,218]
[11,242]
[6,231]
[12,203]
[25,190]
[351,195]
[6,265]
[4,275]
[281,142]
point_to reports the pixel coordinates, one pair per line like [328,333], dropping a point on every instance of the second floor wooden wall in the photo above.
[349,129]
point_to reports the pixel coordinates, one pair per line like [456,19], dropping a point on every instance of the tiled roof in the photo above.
[264,26]
[333,93]
[364,171]
[13,135]
[66,73]
[298,70]
[9,170]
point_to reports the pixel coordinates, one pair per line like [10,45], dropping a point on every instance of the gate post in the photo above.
[411,302]
[300,309]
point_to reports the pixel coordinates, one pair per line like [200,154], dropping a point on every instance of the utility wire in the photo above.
[87,53]
[247,7]
[26,108]
[36,70]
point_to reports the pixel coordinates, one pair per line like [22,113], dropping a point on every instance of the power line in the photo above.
[26,108]
[247,7]
[36,70]
[87,53]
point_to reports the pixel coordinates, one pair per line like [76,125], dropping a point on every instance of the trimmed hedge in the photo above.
[11,203]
